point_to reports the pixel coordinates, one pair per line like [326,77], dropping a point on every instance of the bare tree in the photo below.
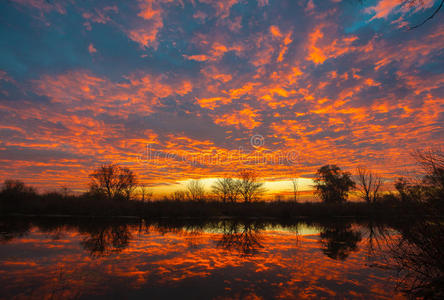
[249,187]
[418,3]
[127,182]
[196,190]
[114,181]
[295,183]
[179,195]
[146,195]
[16,186]
[369,185]
[226,188]
[233,190]
[244,238]
[431,16]
[432,162]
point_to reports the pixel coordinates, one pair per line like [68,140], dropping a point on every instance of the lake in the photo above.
[62,258]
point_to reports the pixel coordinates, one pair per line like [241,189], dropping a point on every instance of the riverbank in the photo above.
[87,206]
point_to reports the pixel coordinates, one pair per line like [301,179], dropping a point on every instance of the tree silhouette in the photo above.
[432,163]
[417,3]
[332,184]
[106,240]
[249,187]
[196,190]
[429,189]
[226,189]
[13,228]
[14,194]
[145,194]
[178,195]
[16,188]
[417,256]
[369,185]
[431,16]
[339,240]
[113,181]
[243,237]
[295,184]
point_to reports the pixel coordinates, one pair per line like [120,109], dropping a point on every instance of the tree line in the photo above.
[118,183]
[331,185]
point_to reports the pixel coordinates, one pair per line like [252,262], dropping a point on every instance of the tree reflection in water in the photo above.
[106,240]
[338,240]
[418,257]
[415,249]
[242,237]
[10,230]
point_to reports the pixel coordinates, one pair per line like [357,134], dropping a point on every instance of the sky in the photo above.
[179,90]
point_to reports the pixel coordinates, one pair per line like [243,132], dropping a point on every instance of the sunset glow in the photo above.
[180,90]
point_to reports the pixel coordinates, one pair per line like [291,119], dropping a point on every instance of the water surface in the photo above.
[103,259]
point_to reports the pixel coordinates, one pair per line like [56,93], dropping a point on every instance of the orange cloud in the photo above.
[212,103]
[198,57]
[147,11]
[284,47]
[145,33]
[275,31]
[146,37]
[215,52]
[320,49]
[247,117]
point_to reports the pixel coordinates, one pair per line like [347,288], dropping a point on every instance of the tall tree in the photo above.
[226,189]
[249,187]
[114,181]
[369,185]
[127,182]
[432,163]
[145,193]
[196,190]
[332,184]
[295,184]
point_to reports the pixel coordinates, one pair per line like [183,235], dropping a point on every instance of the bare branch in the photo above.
[429,18]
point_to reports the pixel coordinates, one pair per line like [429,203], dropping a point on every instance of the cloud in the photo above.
[198,57]
[200,77]
[99,15]
[91,49]
[262,3]
[214,51]
[246,117]
[275,31]
[222,7]
[386,7]
[43,6]
[146,36]
[320,48]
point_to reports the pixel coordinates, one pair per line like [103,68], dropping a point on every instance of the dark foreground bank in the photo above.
[56,204]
